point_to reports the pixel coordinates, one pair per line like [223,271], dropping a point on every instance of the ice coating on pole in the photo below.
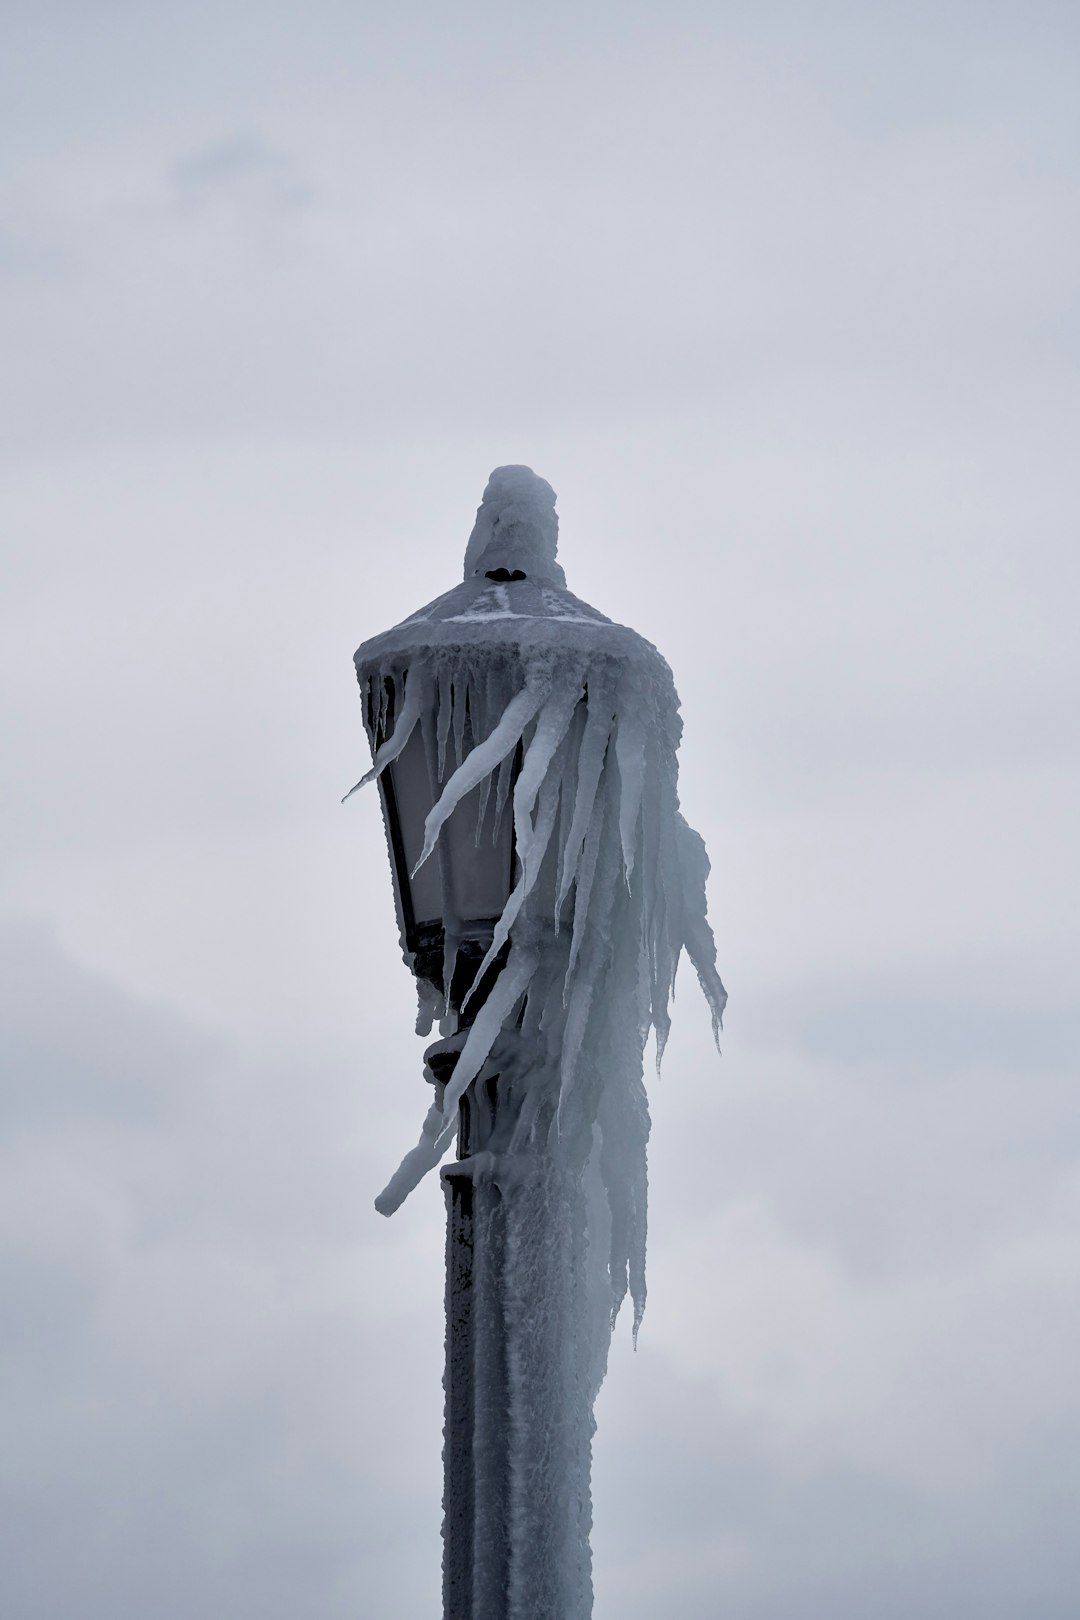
[611,881]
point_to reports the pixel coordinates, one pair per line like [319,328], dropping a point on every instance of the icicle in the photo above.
[698,936]
[590,764]
[551,725]
[630,757]
[433,1143]
[460,703]
[604,882]
[485,705]
[516,716]
[502,790]
[586,873]
[545,821]
[570,754]
[441,1122]
[444,713]
[481,806]
[392,747]
[653,892]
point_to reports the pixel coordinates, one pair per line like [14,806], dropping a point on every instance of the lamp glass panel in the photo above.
[414,796]
[478,869]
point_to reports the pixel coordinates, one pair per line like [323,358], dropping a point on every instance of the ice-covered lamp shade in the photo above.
[546,880]
[467,878]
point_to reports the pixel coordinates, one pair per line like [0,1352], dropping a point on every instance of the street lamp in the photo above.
[545,885]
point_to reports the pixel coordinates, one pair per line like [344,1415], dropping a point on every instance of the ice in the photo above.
[626,871]
[516,528]
[478,764]
[551,727]
[630,757]
[573,721]
[545,824]
[441,1121]
[392,747]
[444,715]
[590,764]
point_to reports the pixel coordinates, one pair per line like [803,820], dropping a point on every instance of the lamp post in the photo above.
[545,884]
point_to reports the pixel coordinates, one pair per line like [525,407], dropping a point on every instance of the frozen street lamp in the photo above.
[545,882]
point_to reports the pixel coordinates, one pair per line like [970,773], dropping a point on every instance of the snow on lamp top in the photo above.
[516,529]
[513,603]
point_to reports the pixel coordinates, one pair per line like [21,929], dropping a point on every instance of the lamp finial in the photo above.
[516,533]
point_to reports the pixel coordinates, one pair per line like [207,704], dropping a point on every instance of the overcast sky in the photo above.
[782,299]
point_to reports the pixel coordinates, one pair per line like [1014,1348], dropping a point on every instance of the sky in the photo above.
[782,300]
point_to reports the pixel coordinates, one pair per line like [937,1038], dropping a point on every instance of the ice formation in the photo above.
[536,716]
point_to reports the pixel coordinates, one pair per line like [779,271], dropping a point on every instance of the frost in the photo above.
[573,720]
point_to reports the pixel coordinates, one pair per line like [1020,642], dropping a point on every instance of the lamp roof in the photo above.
[513,600]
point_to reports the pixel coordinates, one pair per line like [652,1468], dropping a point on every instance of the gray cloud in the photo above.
[930,1036]
[222,1381]
[243,165]
[784,307]
[79,1049]
[192,1397]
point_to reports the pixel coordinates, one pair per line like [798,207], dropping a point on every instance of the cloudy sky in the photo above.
[782,299]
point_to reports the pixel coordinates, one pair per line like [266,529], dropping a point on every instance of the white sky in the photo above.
[782,300]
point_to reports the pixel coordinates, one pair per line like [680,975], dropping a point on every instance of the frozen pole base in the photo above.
[518,1434]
